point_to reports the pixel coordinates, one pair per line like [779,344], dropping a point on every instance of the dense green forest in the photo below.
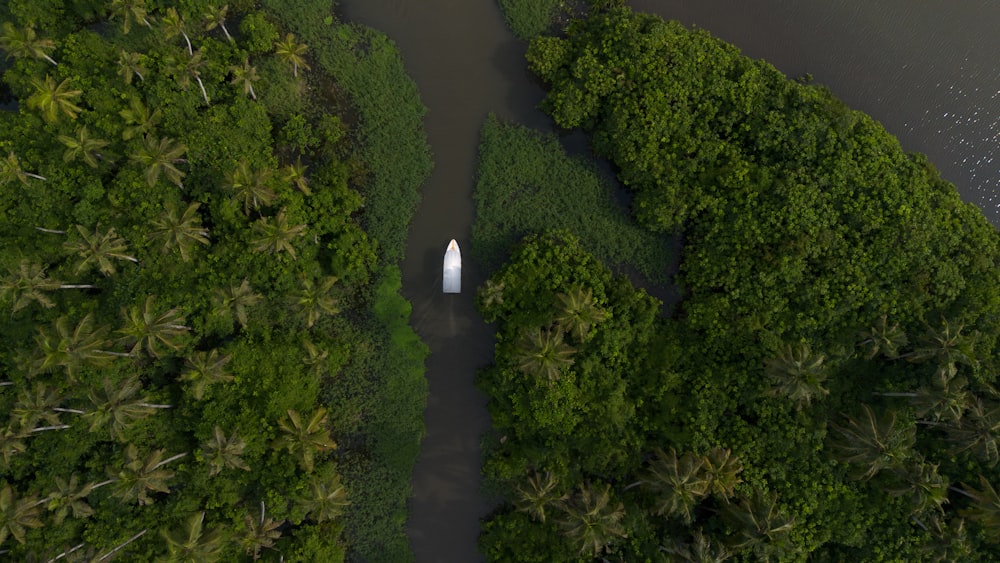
[824,391]
[205,355]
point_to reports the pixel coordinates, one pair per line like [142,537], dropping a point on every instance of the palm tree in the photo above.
[927,488]
[186,69]
[578,312]
[83,146]
[236,299]
[491,294]
[222,452]
[72,348]
[140,476]
[179,230]
[17,514]
[874,442]
[54,99]
[292,52]
[250,188]
[174,25]
[139,120]
[28,283]
[129,65]
[701,549]
[296,175]
[204,369]
[722,469]
[129,11]
[326,498]
[313,300]
[948,541]
[244,76]
[797,374]
[277,236]
[10,169]
[978,431]
[11,443]
[945,400]
[538,492]
[36,405]
[147,328]
[215,16]
[985,508]
[70,498]
[98,249]
[315,357]
[676,485]
[116,405]
[304,439]
[945,346]
[758,523]
[158,156]
[883,338]
[260,533]
[193,543]
[592,521]
[24,43]
[542,352]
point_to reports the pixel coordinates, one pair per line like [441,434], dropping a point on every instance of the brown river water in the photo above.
[928,70]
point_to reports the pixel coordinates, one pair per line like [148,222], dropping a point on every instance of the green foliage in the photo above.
[527,184]
[530,18]
[258,33]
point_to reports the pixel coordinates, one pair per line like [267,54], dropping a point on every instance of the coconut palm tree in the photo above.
[491,294]
[141,475]
[249,188]
[193,543]
[276,236]
[883,338]
[83,146]
[224,451]
[129,65]
[722,469]
[187,68]
[945,346]
[34,405]
[304,439]
[17,514]
[215,16]
[98,249]
[70,498]
[147,328]
[325,499]
[72,348]
[295,174]
[236,299]
[315,357]
[577,312]
[25,44]
[797,373]
[244,76]
[542,352]
[945,400]
[174,229]
[985,508]
[312,300]
[28,283]
[117,404]
[140,121]
[129,11]
[11,443]
[874,442]
[292,52]
[173,25]
[758,523]
[260,533]
[54,99]
[701,549]
[160,156]
[978,431]
[675,484]
[204,369]
[10,169]
[538,492]
[591,520]
[921,481]
[947,542]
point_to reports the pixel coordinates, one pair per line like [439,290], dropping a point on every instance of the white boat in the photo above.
[452,281]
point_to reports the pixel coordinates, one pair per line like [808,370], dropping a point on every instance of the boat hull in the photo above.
[452,274]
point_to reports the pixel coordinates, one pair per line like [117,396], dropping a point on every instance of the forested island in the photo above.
[825,390]
[205,355]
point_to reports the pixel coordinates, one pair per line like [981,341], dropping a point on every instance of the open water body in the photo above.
[929,70]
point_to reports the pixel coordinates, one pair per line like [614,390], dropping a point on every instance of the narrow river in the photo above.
[929,71]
